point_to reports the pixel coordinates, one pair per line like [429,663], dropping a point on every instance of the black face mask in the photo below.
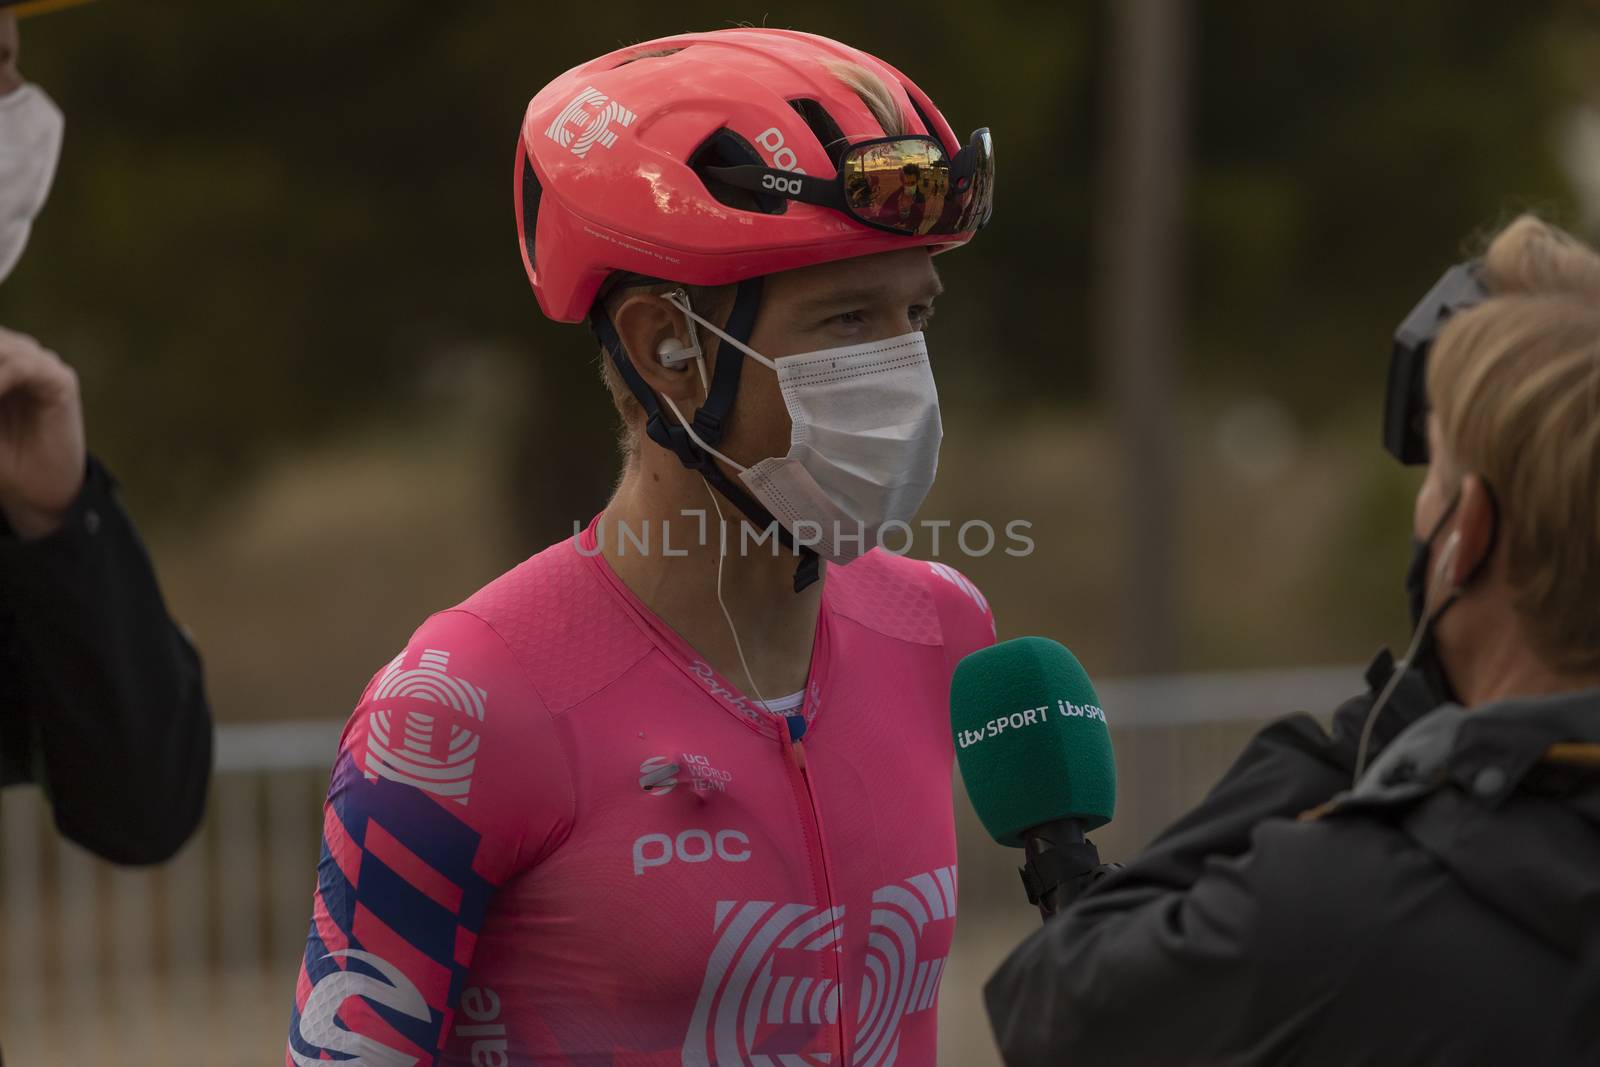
[1426,660]
[1422,660]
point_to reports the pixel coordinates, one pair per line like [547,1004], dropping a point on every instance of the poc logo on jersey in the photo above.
[411,738]
[586,121]
[690,846]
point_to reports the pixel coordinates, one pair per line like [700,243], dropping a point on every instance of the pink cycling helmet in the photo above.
[618,161]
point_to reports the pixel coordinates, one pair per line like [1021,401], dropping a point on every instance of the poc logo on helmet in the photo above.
[779,154]
[586,122]
[690,846]
[781,184]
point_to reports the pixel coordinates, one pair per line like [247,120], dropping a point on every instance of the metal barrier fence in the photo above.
[195,962]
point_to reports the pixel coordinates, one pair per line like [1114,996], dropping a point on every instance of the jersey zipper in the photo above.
[795,754]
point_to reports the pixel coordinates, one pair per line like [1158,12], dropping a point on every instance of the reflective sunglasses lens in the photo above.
[910,186]
[982,202]
[900,185]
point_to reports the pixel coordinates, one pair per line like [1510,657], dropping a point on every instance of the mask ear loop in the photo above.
[1429,618]
[680,300]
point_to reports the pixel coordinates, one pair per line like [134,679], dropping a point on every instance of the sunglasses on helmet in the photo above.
[905,185]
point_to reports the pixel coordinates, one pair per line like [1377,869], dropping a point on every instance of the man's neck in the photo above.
[1510,667]
[1529,681]
[776,625]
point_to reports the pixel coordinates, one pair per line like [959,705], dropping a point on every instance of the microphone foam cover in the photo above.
[1031,738]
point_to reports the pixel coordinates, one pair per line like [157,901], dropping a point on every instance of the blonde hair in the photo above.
[1515,384]
[875,94]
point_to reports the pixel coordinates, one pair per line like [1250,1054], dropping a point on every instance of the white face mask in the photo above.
[30,144]
[864,446]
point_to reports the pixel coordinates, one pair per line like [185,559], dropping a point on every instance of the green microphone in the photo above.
[1035,753]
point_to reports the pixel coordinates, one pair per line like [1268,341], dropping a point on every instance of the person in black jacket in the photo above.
[101,700]
[1422,886]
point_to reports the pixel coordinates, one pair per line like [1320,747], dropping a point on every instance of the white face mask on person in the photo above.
[30,143]
[864,443]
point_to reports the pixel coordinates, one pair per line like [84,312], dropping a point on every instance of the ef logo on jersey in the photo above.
[763,1000]
[423,729]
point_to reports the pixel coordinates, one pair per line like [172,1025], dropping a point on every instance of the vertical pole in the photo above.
[1139,250]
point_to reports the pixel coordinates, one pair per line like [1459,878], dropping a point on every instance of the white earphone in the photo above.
[1446,557]
[671,351]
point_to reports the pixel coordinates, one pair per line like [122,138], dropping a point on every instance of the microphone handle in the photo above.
[1060,864]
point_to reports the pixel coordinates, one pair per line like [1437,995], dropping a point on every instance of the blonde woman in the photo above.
[1446,908]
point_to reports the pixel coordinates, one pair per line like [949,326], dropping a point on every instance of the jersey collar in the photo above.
[690,663]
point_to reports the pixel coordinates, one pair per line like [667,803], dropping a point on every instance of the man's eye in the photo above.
[921,315]
[849,318]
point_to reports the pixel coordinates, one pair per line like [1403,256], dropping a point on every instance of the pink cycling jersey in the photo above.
[555,836]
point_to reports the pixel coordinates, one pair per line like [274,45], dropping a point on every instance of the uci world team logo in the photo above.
[587,120]
[659,775]
[423,730]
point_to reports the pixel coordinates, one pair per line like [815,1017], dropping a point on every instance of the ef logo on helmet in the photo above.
[586,121]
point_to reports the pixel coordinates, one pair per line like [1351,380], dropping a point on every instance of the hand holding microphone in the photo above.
[1035,754]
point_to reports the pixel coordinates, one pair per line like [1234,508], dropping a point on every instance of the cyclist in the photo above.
[675,791]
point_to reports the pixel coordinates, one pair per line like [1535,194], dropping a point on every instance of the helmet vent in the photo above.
[531,192]
[822,126]
[727,149]
[927,123]
[657,53]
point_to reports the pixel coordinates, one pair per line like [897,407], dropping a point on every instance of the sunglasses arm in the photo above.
[805,188]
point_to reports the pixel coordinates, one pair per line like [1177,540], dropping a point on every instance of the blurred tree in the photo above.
[1343,158]
[273,218]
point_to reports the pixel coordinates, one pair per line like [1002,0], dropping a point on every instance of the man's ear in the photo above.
[643,322]
[1477,521]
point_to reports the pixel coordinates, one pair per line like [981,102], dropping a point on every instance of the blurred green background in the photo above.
[280,250]
[281,253]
